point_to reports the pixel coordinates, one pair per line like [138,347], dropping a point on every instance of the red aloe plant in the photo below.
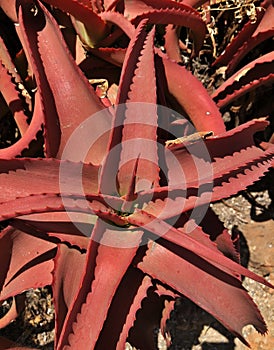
[116,218]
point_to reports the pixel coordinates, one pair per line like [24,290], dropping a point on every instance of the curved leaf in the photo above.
[226,299]
[110,253]
[197,103]
[67,97]
[253,75]
[131,142]
[180,18]
[66,282]
[51,176]
[82,10]
[244,35]
[168,12]
[211,169]
[265,30]
[26,262]
[120,20]
[161,229]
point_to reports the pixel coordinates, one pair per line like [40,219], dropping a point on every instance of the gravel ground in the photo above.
[35,325]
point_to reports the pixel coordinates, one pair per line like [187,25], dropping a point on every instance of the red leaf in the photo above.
[224,297]
[264,31]
[135,304]
[245,34]
[111,256]
[137,90]
[115,56]
[69,230]
[200,108]
[120,20]
[141,44]
[172,43]
[235,162]
[26,262]
[180,18]
[160,228]
[168,12]
[148,319]
[66,282]
[82,10]
[67,97]
[253,75]
[213,227]
[51,176]
[127,302]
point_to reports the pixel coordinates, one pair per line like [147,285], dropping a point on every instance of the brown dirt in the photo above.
[35,325]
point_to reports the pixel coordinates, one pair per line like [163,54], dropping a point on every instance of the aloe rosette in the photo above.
[117,218]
